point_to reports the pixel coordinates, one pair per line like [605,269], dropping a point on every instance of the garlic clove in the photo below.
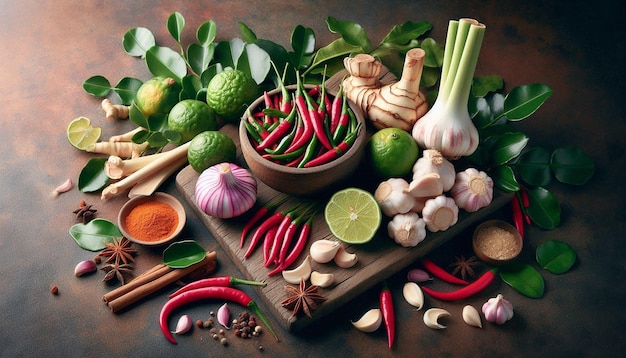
[471,316]
[302,272]
[370,321]
[223,315]
[498,309]
[431,317]
[413,294]
[322,279]
[62,188]
[440,213]
[323,251]
[344,259]
[427,185]
[183,325]
[85,267]
[418,275]
[432,161]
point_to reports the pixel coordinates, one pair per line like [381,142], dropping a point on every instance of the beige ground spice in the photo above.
[497,243]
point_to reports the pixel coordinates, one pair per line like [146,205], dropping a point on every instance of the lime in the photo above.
[81,134]
[191,117]
[157,95]
[353,215]
[392,152]
[210,148]
[229,92]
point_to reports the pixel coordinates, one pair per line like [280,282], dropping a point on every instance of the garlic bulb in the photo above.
[472,190]
[370,321]
[498,310]
[433,162]
[407,229]
[225,190]
[323,251]
[393,197]
[440,213]
[471,316]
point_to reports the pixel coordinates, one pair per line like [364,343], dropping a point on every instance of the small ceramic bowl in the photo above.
[497,242]
[156,197]
[302,181]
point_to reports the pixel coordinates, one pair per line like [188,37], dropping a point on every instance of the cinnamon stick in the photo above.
[146,277]
[153,282]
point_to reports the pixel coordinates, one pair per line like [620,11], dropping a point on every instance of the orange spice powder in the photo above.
[151,221]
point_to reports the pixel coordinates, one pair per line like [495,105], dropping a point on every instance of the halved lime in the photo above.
[81,134]
[353,215]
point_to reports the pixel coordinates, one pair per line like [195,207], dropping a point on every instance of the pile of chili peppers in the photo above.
[314,131]
[283,235]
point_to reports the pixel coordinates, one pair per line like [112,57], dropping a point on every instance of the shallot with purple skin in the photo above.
[418,276]
[225,190]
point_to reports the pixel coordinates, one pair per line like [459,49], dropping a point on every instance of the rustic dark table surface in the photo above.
[51,47]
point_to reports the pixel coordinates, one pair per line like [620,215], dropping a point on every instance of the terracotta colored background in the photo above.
[49,48]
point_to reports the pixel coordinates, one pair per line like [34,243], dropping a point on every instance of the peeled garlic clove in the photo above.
[184,324]
[323,251]
[223,316]
[302,272]
[498,310]
[431,317]
[413,294]
[370,321]
[85,267]
[426,186]
[471,316]
[322,279]
[344,259]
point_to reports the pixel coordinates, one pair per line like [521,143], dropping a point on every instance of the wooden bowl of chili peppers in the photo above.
[153,220]
[301,140]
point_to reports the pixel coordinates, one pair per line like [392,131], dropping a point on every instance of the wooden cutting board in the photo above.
[377,260]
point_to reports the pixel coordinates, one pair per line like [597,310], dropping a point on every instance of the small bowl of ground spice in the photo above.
[152,220]
[496,242]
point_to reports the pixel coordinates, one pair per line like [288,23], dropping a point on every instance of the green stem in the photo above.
[455,58]
[467,65]
[449,48]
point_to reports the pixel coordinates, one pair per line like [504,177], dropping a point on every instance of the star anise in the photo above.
[84,213]
[116,270]
[302,299]
[465,266]
[118,251]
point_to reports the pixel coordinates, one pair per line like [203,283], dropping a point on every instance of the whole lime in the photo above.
[157,95]
[392,152]
[191,117]
[209,148]
[230,92]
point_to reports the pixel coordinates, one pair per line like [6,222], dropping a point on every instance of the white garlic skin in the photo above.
[407,229]
[393,198]
[433,217]
[498,309]
[472,190]
[323,251]
[433,162]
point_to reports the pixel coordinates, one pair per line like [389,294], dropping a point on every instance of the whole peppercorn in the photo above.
[199,323]
[54,289]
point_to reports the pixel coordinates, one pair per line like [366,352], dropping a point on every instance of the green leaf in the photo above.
[136,116]
[175,25]
[156,122]
[163,61]
[303,44]
[350,31]
[508,147]
[206,76]
[434,53]
[97,86]
[534,167]
[487,109]
[504,178]
[92,177]
[183,254]
[255,61]
[571,165]
[93,235]
[555,256]
[206,33]
[127,88]
[483,85]
[430,76]
[140,137]
[337,49]
[524,100]
[404,33]
[524,279]
[157,139]
[137,41]
[227,53]
[200,57]
[544,209]
[191,86]
[246,33]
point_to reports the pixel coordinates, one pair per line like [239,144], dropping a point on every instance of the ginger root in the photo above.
[114,111]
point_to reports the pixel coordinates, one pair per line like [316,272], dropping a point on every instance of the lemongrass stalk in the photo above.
[463,80]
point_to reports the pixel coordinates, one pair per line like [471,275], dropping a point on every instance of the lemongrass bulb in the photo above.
[472,190]
[225,190]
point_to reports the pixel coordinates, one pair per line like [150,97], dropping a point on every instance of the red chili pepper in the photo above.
[466,291]
[219,293]
[343,121]
[526,202]
[268,243]
[440,273]
[280,233]
[279,132]
[268,104]
[386,307]
[290,233]
[518,217]
[317,121]
[221,281]
[335,152]
[297,249]
[262,131]
[273,220]
[260,213]
[307,126]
